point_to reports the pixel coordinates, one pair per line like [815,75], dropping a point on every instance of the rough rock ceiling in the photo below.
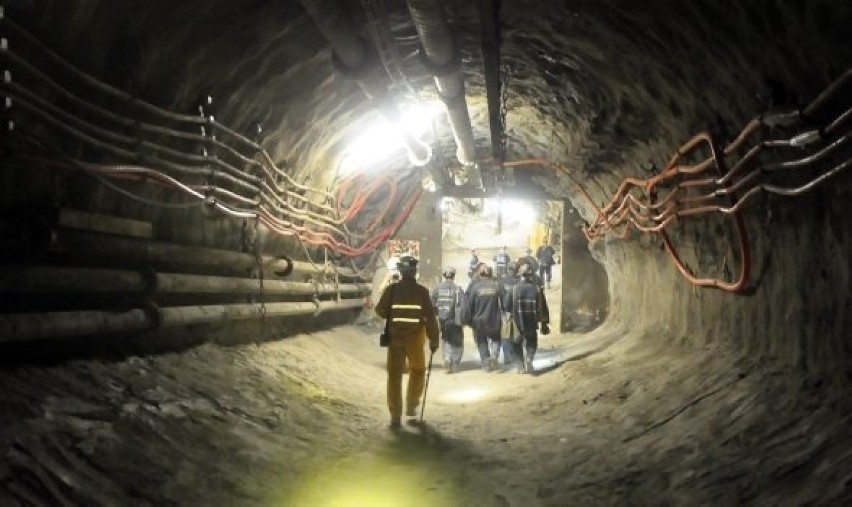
[599,85]
[604,88]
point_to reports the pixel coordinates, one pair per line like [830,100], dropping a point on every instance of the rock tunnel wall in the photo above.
[796,309]
[626,103]
[607,88]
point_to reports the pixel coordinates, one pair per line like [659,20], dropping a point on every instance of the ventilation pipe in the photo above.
[442,61]
[20,327]
[355,60]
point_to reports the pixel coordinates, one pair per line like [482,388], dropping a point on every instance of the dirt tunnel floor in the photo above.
[302,421]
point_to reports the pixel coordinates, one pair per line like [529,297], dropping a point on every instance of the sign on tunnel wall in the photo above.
[399,247]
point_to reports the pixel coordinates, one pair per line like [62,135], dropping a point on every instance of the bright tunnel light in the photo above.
[514,211]
[417,118]
[381,139]
[377,142]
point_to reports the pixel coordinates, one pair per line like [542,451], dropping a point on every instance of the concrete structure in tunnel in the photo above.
[189,242]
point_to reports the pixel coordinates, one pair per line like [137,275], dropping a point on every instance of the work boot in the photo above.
[492,364]
[394,423]
[528,366]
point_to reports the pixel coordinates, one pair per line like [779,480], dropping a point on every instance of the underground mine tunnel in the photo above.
[202,200]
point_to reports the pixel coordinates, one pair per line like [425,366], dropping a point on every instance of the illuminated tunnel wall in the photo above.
[596,92]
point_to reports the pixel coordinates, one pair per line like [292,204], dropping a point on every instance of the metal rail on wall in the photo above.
[117,299]
[108,283]
[19,327]
[194,155]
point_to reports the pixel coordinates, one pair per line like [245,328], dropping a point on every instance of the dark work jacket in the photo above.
[507,283]
[474,260]
[527,306]
[448,299]
[545,255]
[484,306]
[529,260]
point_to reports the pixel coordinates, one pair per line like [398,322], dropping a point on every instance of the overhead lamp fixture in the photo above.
[514,211]
[381,139]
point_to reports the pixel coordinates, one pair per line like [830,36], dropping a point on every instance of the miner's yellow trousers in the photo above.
[400,349]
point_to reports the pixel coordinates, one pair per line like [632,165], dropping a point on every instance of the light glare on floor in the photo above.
[468,395]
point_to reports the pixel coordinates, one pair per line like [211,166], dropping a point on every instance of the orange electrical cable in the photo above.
[745,261]
[745,251]
[620,209]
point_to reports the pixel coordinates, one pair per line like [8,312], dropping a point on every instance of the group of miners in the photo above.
[503,304]
[506,312]
[542,263]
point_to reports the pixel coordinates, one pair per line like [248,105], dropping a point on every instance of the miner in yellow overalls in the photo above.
[413,320]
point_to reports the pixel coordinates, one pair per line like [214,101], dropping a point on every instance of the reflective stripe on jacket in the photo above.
[525,306]
[501,260]
[528,306]
[409,307]
[447,297]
